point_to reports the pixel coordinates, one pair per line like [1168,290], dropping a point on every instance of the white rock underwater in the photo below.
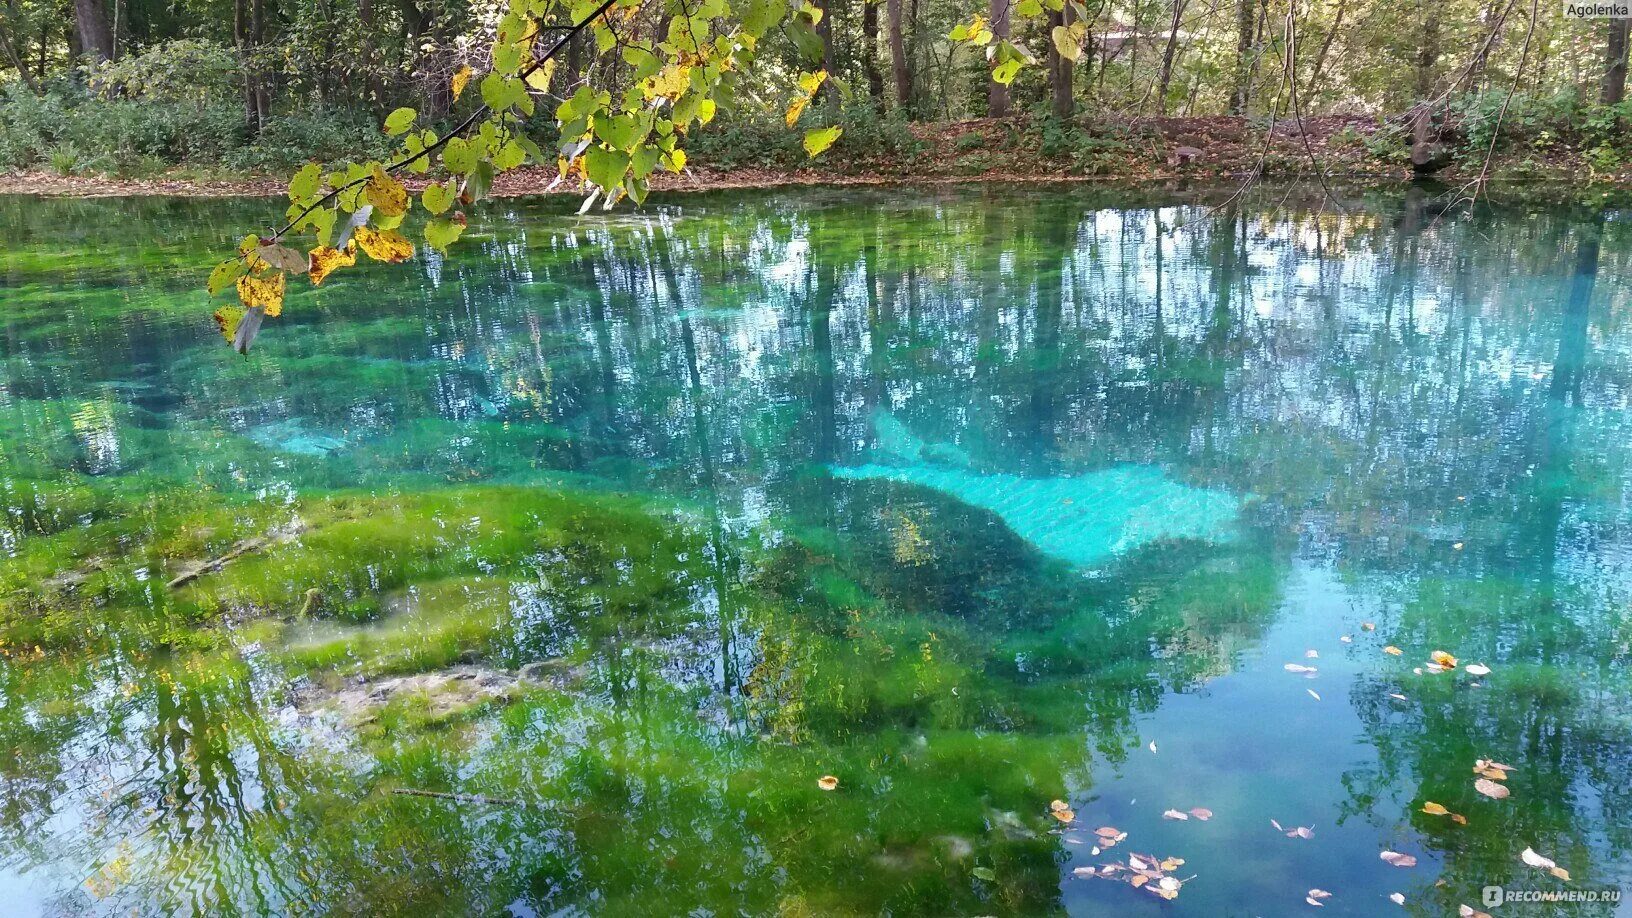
[1085,519]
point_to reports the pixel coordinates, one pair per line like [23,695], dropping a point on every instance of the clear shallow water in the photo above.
[964,497]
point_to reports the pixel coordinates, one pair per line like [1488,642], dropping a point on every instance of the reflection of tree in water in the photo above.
[1356,374]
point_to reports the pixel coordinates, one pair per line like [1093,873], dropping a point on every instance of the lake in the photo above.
[918,551]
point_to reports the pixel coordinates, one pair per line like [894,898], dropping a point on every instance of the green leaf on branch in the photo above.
[224,275]
[400,121]
[441,233]
[437,198]
[303,186]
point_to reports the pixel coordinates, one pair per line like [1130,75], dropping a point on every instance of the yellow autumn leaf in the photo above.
[539,79]
[1391,650]
[388,195]
[670,82]
[827,782]
[461,78]
[1434,809]
[795,110]
[386,245]
[265,291]
[324,259]
[1441,658]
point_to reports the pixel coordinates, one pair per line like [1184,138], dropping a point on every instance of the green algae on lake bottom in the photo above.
[622,533]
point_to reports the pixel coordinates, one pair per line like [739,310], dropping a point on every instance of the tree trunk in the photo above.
[997,94]
[869,52]
[1060,71]
[1168,55]
[900,66]
[95,36]
[1613,89]
[824,28]
[1325,49]
[10,51]
[1245,25]
[243,33]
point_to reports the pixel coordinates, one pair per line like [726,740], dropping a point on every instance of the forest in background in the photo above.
[139,88]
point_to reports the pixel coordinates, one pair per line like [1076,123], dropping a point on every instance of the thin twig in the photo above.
[462,798]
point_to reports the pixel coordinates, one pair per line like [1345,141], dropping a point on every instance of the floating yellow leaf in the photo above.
[827,782]
[461,78]
[1368,626]
[1491,789]
[324,259]
[1059,805]
[386,245]
[1064,815]
[1434,809]
[1392,650]
[1441,658]
[265,291]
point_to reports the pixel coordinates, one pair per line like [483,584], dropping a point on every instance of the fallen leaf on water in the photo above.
[1346,639]
[1175,814]
[1152,745]
[1529,856]
[1457,546]
[1559,872]
[985,873]
[1108,832]
[1300,668]
[1059,805]
[1441,658]
[1311,654]
[1064,815]
[1396,898]
[1490,788]
[1201,813]
[1477,669]
[827,782]
[1313,694]
[1368,626]
[1459,819]
[1276,825]
[1319,894]
[1137,864]
[1138,880]
[1396,859]
[1434,809]
[1086,871]
[1172,863]
[1397,696]
[1391,650]
[1464,911]
[1301,832]
[1313,901]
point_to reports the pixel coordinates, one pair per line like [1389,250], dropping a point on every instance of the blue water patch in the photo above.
[1085,519]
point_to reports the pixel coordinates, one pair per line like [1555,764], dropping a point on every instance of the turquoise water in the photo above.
[630,528]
